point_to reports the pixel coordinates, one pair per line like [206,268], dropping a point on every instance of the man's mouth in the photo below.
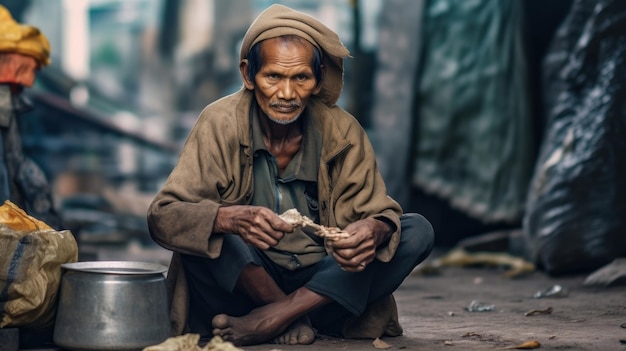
[285,108]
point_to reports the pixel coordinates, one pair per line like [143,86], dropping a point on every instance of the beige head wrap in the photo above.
[278,20]
[22,39]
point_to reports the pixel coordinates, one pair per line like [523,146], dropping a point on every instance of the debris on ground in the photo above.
[533,344]
[535,312]
[553,291]
[471,334]
[612,274]
[477,306]
[189,342]
[459,257]
[381,345]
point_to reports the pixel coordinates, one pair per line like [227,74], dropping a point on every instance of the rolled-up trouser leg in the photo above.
[354,291]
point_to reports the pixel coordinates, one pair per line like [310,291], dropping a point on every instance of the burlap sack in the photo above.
[31,254]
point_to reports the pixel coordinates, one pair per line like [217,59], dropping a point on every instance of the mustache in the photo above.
[283,104]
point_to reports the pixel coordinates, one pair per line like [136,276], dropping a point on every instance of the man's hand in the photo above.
[354,253]
[258,226]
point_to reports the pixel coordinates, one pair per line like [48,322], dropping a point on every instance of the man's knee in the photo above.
[418,236]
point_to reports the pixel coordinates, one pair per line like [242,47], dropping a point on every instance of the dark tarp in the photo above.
[474,139]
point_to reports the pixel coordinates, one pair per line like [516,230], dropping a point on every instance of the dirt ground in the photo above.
[433,311]
[434,316]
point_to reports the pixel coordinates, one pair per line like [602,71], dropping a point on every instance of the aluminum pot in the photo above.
[111,305]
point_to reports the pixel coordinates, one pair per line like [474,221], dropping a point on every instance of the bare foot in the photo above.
[299,333]
[268,322]
[251,329]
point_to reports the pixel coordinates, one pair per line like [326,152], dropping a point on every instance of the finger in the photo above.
[359,268]
[353,262]
[274,224]
[346,243]
[261,239]
[264,229]
[349,252]
[255,241]
[263,245]
[269,234]
[270,237]
[281,225]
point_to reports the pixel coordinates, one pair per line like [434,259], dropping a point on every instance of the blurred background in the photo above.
[127,80]
[458,97]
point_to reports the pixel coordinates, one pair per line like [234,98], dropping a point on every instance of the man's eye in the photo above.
[273,76]
[301,77]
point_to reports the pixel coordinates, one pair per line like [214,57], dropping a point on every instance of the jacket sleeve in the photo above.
[358,188]
[181,216]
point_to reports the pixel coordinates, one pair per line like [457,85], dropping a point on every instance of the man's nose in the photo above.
[286,90]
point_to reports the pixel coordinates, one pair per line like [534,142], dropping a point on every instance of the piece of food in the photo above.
[294,217]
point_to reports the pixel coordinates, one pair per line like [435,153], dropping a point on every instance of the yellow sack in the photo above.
[31,254]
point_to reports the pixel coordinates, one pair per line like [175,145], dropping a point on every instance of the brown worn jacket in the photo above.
[215,169]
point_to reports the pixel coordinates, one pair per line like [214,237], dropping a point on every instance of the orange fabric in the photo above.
[23,39]
[17,219]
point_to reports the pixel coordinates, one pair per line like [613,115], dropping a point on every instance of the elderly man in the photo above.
[23,50]
[239,270]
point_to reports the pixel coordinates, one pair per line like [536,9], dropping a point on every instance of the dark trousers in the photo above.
[212,281]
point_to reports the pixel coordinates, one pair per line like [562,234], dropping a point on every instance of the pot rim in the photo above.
[116,267]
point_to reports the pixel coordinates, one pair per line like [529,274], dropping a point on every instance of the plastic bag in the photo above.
[31,255]
[574,219]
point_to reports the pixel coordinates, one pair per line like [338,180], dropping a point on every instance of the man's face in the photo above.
[17,69]
[285,81]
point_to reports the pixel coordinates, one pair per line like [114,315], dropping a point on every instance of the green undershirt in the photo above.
[295,188]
